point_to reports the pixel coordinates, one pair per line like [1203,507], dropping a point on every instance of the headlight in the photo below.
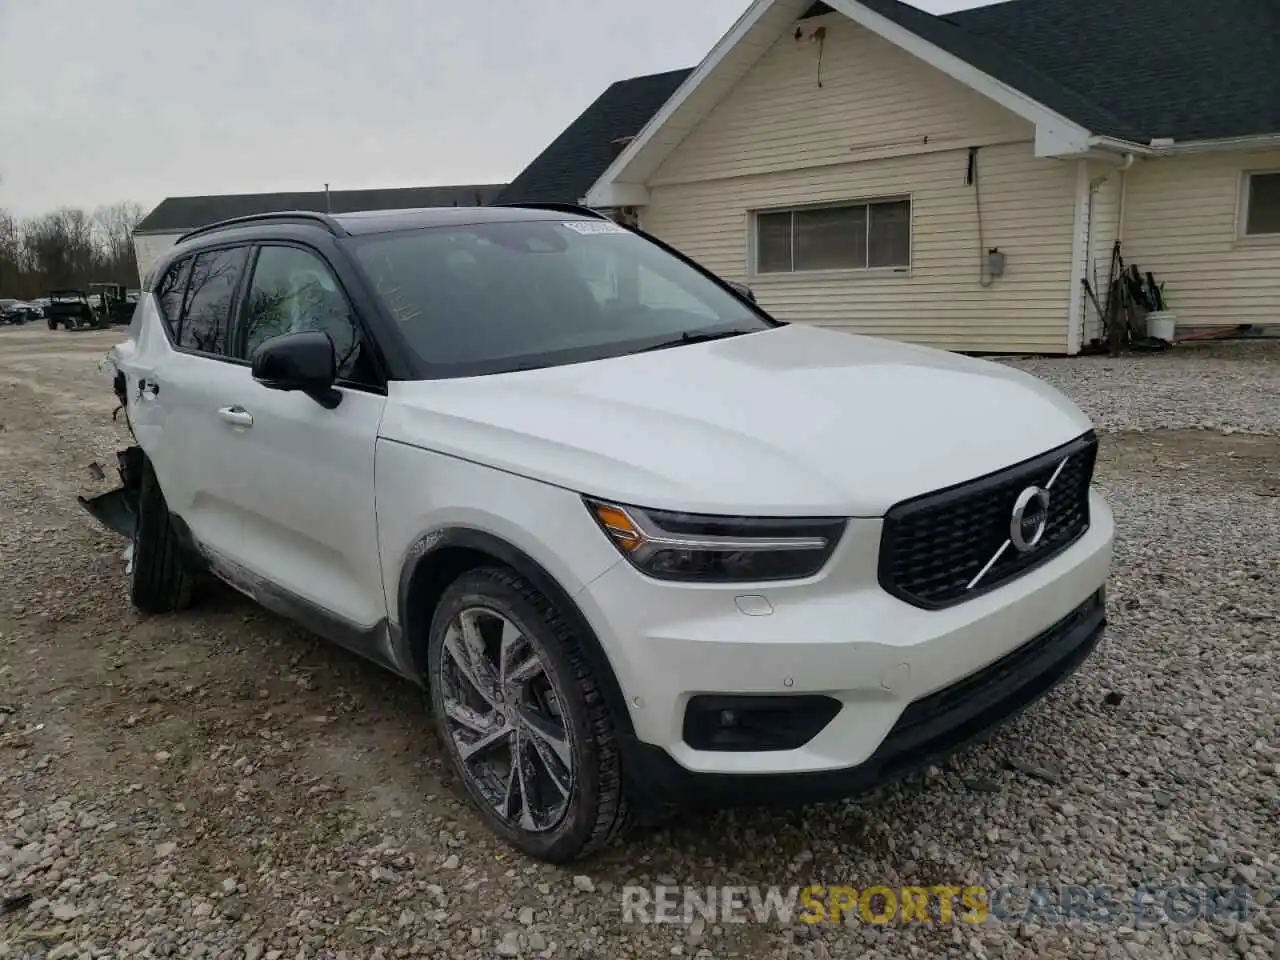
[706,549]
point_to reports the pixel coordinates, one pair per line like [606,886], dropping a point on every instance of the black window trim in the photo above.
[368,340]
[391,354]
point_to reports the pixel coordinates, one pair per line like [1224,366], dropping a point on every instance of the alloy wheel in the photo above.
[503,716]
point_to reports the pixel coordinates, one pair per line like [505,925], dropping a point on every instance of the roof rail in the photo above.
[324,219]
[560,208]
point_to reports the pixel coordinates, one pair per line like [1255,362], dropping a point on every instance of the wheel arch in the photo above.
[439,558]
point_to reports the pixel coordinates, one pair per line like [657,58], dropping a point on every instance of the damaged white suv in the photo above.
[644,545]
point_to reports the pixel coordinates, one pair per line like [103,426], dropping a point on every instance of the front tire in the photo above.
[161,580]
[522,719]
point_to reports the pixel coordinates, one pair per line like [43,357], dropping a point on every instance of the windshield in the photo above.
[493,297]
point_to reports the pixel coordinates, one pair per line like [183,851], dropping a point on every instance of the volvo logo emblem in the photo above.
[1030,519]
[1027,525]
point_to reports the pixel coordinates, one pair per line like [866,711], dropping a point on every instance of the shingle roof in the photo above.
[1031,75]
[187,213]
[1136,71]
[1169,68]
[565,171]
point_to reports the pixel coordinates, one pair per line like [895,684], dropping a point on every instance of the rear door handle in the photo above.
[147,388]
[236,416]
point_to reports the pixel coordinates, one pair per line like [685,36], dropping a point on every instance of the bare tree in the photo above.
[67,248]
[12,253]
[60,246]
[113,227]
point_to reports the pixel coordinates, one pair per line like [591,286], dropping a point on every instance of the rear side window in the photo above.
[169,293]
[210,292]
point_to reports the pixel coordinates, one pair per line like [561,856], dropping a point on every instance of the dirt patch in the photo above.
[1238,461]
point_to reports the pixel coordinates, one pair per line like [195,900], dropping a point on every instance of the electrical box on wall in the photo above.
[995,262]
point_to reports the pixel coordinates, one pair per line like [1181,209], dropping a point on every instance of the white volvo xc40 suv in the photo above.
[643,544]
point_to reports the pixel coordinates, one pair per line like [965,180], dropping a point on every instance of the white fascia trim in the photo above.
[1112,145]
[610,195]
[1263,141]
[1055,134]
[1079,258]
[603,191]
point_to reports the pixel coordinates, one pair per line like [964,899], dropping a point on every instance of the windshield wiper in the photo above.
[691,337]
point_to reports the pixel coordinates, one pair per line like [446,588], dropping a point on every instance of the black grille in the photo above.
[934,546]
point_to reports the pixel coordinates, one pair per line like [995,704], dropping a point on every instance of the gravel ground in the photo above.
[219,784]
[1230,387]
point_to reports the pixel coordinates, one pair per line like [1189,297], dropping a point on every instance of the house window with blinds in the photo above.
[867,235]
[1262,204]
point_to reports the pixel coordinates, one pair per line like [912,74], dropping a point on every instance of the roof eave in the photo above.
[612,189]
[1056,135]
[1258,141]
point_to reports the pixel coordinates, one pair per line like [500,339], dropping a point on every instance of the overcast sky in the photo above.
[143,99]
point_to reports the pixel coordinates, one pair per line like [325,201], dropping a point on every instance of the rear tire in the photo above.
[162,580]
[541,705]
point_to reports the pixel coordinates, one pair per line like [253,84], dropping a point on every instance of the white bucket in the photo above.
[1161,325]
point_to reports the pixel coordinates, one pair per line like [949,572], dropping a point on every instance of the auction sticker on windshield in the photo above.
[591,227]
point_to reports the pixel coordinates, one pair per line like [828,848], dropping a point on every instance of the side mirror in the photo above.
[304,361]
[743,290]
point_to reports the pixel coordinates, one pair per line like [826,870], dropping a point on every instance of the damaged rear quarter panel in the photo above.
[146,348]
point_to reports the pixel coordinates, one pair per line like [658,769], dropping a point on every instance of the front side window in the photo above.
[1262,209]
[492,297]
[210,292]
[293,290]
[858,236]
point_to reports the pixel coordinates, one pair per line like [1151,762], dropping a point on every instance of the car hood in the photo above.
[794,420]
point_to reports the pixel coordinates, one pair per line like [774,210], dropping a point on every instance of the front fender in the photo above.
[420,494]
[437,558]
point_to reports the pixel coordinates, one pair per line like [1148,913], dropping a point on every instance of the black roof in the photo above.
[187,213]
[1162,68]
[1135,71]
[565,171]
[385,221]
[364,222]
[1028,74]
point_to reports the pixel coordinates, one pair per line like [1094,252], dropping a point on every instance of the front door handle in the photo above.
[236,416]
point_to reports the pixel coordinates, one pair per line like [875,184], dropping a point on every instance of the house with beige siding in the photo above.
[961,181]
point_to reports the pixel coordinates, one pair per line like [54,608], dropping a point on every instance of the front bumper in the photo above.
[929,730]
[840,636]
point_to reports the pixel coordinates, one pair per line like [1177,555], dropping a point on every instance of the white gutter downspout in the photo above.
[1079,258]
[1082,247]
[1124,189]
